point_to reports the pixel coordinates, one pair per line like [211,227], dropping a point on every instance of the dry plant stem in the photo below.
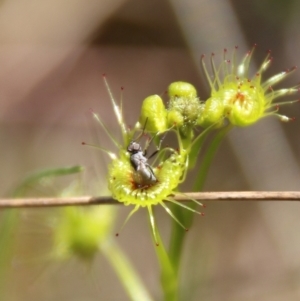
[199,196]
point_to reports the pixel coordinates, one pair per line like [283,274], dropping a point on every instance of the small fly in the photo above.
[144,173]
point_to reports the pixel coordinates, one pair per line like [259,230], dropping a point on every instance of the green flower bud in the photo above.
[182,89]
[184,108]
[212,112]
[153,114]
[81,231]
[175,118]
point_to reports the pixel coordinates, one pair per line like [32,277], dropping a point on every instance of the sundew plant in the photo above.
[144,172]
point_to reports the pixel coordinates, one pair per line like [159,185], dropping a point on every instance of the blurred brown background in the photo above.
[52,56]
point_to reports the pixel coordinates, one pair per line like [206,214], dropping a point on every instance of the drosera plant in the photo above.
[236,99]
[143,179]
[132,180]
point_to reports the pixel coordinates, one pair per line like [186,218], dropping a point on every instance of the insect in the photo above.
[144,175]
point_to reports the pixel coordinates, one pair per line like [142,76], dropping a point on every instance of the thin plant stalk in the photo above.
[209,156]
[178,234]
[168,278]
[123,268]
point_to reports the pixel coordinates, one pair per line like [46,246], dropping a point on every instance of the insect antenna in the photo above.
[158,148]
[142,132]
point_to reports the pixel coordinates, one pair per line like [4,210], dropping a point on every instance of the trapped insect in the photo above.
[144,175]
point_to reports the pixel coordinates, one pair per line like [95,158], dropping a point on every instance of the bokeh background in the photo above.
[52,57]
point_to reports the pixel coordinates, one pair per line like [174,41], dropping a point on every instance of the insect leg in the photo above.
[158,147]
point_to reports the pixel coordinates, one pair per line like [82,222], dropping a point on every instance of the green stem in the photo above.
[168,276]
[127,275]
[208,157]
[178,234]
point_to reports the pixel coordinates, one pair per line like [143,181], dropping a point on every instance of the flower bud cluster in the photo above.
[234,96]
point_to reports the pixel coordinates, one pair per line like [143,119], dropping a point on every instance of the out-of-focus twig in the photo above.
[199,196]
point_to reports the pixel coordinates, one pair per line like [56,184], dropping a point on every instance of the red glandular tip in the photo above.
[294,68]
[91,111]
